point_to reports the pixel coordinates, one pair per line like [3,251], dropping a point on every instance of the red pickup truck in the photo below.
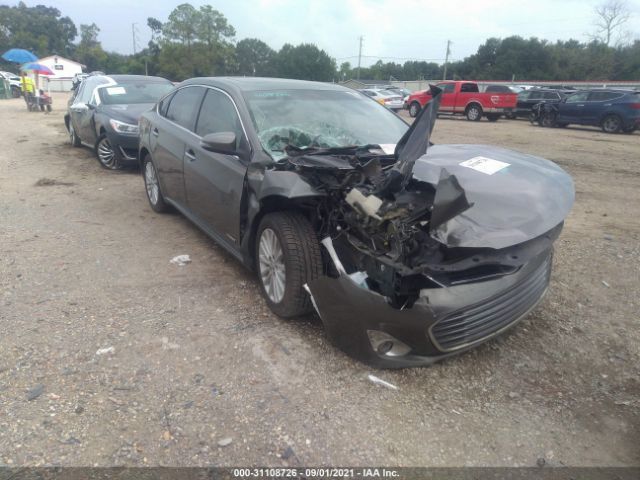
[465,98]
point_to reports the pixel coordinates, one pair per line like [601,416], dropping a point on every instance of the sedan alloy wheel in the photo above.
[106,154]
[272,267]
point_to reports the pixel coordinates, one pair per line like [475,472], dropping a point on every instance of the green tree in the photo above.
[255,58]
[306,62]
[41,29]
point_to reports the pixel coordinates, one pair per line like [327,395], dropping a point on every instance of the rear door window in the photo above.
[184,106]
[603,96]
[550,96]
[468,87]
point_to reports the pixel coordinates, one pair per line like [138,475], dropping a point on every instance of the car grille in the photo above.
[482,320]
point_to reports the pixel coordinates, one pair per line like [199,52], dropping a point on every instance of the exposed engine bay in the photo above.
[402,221]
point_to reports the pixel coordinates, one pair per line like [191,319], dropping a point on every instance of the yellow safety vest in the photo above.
[28,85]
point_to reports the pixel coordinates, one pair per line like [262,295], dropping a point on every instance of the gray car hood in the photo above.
[516,200]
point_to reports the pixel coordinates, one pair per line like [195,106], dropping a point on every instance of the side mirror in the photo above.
[79,107]
[222,142]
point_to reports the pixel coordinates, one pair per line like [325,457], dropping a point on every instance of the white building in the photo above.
[64,71]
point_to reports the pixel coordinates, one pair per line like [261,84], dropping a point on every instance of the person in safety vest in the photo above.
[28,88]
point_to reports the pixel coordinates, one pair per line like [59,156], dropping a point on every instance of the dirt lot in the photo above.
[198,358]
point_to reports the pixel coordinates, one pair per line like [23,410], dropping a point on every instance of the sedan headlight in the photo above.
[125,128]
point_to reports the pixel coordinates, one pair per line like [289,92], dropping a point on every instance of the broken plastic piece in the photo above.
[360,278]
[369,205]
[328,244]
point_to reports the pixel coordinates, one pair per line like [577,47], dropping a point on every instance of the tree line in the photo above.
[201,42]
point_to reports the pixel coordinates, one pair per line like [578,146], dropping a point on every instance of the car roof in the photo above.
[249,84]
[613,90]
[136,78]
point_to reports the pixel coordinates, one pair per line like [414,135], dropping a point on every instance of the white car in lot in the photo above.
[388,98]
[14,82]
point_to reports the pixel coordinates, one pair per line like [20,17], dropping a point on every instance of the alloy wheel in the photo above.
[272,268]
[473,113]
[151,183]
[611,124]
[106,154]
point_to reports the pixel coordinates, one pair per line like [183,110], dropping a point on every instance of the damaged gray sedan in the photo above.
[409,252]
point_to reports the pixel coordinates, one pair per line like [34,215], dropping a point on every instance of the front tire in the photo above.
[414,109]
[106,153]
[152,187]
[611,124]
[547,120]
[287,257]
[474,113]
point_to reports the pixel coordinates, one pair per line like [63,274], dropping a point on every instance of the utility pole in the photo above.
[446,60]
[133,33]
[359,58]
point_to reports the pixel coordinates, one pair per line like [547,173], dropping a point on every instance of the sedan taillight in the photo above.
[635,106]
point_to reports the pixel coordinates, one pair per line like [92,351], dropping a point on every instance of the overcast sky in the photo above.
[394,30]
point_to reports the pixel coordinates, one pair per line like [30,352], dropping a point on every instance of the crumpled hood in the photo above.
[514,197]
[126,113]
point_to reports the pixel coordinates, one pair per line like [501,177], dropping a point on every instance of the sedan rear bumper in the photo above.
[442,322]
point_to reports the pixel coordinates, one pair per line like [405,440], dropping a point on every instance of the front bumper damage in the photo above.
[434,253]
[441,323]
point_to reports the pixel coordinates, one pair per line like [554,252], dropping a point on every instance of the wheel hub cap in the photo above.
[272,268]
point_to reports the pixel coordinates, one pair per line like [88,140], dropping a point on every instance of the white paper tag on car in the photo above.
[485,165]
[116,91]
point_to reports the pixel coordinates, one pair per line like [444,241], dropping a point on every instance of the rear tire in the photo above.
[414,109]
[611,124]
[73,138]
[152,186]
[15,92]
[474,113]
[287,257]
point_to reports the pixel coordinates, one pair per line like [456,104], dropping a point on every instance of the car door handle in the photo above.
[155,132]
[580,105]
[190,154]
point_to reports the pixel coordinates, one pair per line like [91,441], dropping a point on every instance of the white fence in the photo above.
[416,85]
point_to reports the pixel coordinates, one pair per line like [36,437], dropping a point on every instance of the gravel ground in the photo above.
[111,355]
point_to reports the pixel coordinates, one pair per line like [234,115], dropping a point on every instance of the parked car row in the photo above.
[613,110]
[409,252]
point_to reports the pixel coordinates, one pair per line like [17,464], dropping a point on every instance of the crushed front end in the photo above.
[430,254]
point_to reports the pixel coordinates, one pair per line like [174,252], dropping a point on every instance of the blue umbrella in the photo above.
[18,55]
